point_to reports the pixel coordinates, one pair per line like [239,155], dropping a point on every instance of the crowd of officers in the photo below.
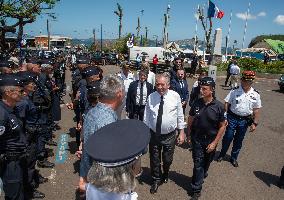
[30,105]
[31,93]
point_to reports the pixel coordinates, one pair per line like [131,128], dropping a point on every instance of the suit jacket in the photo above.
[183,92]
[131,95]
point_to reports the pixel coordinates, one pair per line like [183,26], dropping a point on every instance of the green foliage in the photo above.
[120,44]
[262,37]
[275,67]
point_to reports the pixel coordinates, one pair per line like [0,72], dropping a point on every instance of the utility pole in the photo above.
[101,38]
[245,31]
[48,34]
[156,38]
[94,33]
[146,35]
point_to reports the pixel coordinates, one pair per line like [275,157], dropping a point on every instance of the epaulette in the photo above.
[256,91]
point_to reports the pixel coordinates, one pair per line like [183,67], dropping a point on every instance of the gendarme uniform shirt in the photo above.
[12,137]
[242,103]
[207,117]
[172,117]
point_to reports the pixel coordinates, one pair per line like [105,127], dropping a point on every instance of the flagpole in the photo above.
[228,36]
[195,37]
[245,31]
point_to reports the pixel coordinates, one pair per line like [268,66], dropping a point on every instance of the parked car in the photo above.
[110,58]
[281,83]
[280,57]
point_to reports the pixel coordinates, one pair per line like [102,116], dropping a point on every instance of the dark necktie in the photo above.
[159,118]
[141,95]
[181,83]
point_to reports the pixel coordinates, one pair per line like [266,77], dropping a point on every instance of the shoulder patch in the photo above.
[2,130]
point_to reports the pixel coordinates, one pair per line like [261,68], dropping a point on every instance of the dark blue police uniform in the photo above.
[204,130]
[13,146]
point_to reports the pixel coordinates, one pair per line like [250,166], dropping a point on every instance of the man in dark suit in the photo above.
[137,96]
[179,84]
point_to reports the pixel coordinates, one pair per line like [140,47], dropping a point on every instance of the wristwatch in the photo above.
[255,123]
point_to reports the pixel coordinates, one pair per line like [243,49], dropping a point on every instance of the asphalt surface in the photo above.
[260,160]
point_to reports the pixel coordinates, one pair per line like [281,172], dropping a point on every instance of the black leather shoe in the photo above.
[42,179]
[165,178]
[234,162]
[154,187]
[51,143]
[45,164]
[195,196]
[38,195]
[280,185]
[220,159]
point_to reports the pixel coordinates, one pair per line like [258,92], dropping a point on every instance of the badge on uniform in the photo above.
[2,130]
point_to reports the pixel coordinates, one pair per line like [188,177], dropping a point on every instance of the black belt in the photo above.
[167,134]
[14,156]
[238,116]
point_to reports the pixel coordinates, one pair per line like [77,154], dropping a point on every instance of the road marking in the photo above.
[52,176]
[61,153]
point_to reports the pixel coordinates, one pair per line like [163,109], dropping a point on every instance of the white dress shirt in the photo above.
[243,103]
[126,80]
[92,193]
[234,70]
[144,93]
[172,112]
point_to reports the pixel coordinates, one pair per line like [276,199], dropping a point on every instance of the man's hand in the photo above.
[181,137]
[82,184]
[70,106]
[211,147]
[252,128]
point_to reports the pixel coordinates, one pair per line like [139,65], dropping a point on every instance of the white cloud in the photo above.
[279,20]
[243,16]
[261,14]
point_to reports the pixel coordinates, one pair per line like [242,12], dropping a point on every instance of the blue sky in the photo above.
[78,18]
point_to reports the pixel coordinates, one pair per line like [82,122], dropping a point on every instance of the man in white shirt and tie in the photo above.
[163,115]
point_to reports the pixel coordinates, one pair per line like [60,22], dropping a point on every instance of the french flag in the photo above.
[214,11]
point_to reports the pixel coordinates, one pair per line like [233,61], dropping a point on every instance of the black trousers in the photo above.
[281,180]
[227,78]
[161,146]
[14,176]
[201,159]
[138,113]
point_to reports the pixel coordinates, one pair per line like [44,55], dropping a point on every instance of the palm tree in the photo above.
[119,13]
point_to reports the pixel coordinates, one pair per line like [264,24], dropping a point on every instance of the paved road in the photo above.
[260,161]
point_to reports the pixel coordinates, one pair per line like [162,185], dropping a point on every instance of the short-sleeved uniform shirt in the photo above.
[12,137]
[242,103]
[207,117]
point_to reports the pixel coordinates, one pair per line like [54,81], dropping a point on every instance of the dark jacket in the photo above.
[131,95]
[183,92]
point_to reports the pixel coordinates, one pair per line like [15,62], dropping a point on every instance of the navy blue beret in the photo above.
[10,80]
[26,77]
[90,71]
[118,143]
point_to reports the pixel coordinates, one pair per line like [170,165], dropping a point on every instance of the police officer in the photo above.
[206,125]
[242,105]
[26,111]
[42,100]
[6,66]
[13,142]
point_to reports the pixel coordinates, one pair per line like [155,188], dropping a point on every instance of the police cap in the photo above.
[26,77]
[33,60]
[83,60]
[6,63]
[209,81]
[10,80]
[90,71]
[118,143]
